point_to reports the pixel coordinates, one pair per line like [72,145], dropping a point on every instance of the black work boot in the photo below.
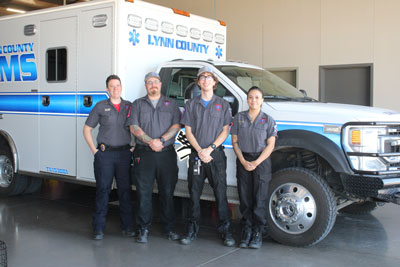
[256,239]
[246,237]
[192,230]
[227,236]
[143,233]
[98,235]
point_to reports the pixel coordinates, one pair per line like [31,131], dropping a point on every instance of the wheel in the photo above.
[360,208]
[302,208]
[33,185]
[10,183]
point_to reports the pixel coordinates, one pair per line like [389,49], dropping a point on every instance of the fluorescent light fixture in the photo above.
[16,10]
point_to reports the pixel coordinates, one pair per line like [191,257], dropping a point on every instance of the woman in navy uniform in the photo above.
[112,156]
[253,138]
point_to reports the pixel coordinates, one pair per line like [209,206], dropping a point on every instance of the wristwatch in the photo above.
[213,146]
[162,140]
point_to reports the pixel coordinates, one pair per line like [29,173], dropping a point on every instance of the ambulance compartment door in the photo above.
[95,62]
[57,104]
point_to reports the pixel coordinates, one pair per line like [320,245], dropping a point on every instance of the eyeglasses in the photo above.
[203,78]
[155,82]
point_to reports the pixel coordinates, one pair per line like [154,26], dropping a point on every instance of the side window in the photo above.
[56,65]
[182,87]
[221,91]
[179,83]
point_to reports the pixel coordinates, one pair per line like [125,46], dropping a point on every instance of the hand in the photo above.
[249,166]
[205,155]
[156,145]
[132,149]
[95,151]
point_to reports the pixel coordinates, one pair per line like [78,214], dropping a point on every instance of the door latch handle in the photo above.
[87,101]
[45,100]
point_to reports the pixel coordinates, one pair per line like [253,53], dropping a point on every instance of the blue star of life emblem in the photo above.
[134,37]
[219,52]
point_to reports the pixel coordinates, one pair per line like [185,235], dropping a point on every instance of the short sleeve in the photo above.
[187,115]
[134,117]
[235,128]
[227,114]
[272,129]
[177,113]
[94,117]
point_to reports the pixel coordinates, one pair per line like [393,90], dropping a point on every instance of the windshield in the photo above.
[272,86]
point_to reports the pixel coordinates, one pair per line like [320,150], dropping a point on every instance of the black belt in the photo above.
[104,147]
[255,154]
[220,148]
[147,148]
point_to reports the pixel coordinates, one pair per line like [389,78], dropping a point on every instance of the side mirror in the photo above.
[303,92]
[230,99]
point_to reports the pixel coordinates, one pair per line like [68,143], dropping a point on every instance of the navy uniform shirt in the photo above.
[207,122]
[113,130]
[252,137]
[155,121]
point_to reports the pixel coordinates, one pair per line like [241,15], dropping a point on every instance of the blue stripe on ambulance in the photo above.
[61,104]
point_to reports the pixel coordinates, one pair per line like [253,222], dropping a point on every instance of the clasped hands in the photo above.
[156,145]
[205,154]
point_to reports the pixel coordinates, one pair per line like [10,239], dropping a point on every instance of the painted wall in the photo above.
[306,34]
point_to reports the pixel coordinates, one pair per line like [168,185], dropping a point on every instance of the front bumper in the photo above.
[379,187]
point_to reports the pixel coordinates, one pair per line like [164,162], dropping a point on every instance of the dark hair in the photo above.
[112,77]
[256,88]
[215,79]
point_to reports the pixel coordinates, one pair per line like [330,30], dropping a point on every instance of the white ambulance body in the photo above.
[54,64]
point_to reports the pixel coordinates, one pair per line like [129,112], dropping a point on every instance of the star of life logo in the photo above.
[134,37]
[219,52]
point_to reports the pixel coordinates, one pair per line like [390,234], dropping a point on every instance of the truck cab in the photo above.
[328,157]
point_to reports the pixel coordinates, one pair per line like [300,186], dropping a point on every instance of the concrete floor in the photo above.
[53,228]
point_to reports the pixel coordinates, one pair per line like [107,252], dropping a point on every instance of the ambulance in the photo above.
[53,65]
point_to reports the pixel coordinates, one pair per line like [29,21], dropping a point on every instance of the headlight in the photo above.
[364,139]
[367,163]
[363,142]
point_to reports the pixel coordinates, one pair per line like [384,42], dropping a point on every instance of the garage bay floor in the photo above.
[53,228]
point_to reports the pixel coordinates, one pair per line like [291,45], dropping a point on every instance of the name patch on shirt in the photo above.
[107,109]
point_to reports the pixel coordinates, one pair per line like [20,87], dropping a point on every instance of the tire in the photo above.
[34,184]
[302,207]
[360,208]
[11,184]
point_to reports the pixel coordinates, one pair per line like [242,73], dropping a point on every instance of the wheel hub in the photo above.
[287,209]
[293,208]
[6,171]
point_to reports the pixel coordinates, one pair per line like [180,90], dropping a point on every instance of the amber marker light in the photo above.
[222,22]
[181,12]
[356,137]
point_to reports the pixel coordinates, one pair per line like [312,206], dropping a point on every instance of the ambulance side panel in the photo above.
[148,35]
[95,64]
[19,79]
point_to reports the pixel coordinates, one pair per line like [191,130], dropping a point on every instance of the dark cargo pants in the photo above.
[162,166]
[215,171]
[108,164]
[253,190]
